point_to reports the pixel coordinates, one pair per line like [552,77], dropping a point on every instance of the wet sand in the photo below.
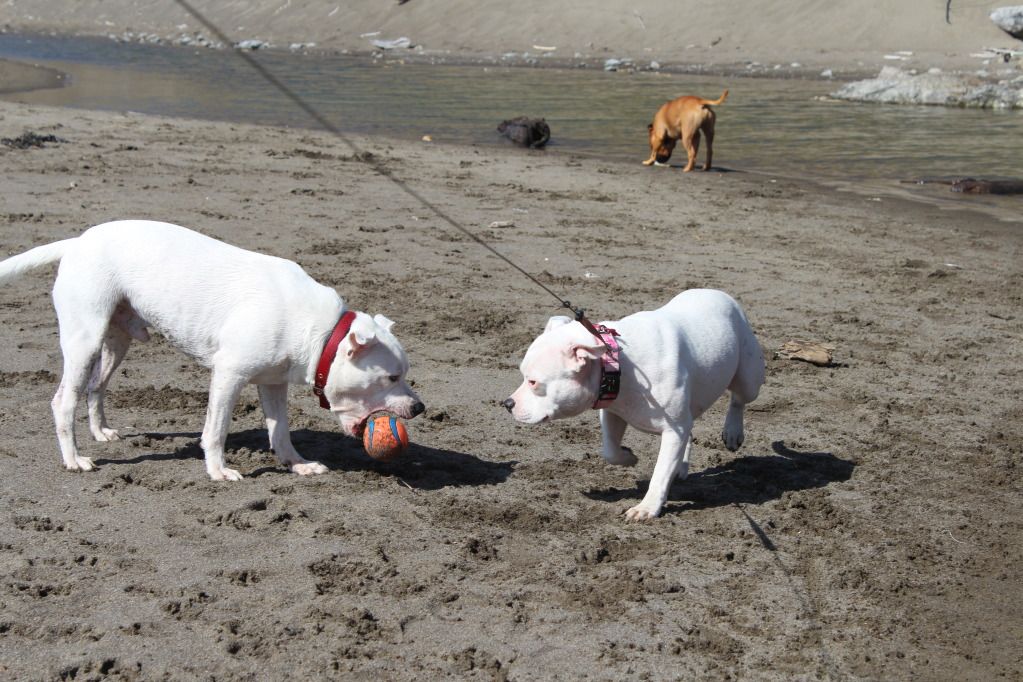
[868,528]
[20,77]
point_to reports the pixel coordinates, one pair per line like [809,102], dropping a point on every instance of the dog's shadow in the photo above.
[679,165]
[752,480]
[421,467]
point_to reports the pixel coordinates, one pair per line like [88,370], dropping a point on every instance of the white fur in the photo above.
[249,317]
[676,361]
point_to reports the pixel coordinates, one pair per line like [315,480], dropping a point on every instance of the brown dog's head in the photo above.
[661,145]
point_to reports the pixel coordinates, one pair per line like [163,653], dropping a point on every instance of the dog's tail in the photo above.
[15,266]
[715,102]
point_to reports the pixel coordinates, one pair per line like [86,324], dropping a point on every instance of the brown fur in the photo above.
[683,119]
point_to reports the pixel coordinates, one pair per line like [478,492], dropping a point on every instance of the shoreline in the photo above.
[699,66]
[864,190]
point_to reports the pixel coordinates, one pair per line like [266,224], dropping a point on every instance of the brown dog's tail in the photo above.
[719,100]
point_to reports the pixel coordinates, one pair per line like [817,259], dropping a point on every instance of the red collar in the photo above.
[610,368]
[328,355]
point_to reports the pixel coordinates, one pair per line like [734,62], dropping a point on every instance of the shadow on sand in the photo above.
[746,480]
[421,467]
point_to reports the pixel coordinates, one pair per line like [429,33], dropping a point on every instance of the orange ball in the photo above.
[384,437]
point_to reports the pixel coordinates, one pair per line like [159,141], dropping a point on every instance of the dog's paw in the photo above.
[732,437]
[105,435]
[641,513]
[225,474]
[307,468]
[624,458]
[82,464]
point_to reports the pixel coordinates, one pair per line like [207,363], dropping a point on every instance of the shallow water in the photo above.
[769,125]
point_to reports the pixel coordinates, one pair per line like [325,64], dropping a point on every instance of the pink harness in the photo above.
[610,368]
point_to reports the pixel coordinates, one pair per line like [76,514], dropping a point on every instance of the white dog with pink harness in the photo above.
[655,370]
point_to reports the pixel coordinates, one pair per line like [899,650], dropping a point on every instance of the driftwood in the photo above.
[814,352]
[973,185]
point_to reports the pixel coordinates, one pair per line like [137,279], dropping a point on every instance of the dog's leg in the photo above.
[274,399]
[669,459]
[732,434]
[225,387]
[708,131]
[115,345]
[745,386]
[691,142]
[79,356]
[683,468]
[612,430]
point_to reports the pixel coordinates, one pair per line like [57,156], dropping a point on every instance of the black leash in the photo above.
[359,154]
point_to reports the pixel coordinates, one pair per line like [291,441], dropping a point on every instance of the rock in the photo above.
[397,43]
[1010,20]
[814,352]
[250,44]
[613,64]
[525,131]
[895,86]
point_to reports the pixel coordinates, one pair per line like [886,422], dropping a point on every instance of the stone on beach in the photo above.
[1010,20]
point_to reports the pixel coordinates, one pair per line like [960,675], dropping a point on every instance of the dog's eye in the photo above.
[532,383]
[394,378]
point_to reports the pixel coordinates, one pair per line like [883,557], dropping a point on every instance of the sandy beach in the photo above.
[869,527]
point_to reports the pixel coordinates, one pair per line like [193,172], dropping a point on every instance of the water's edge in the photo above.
[782,127]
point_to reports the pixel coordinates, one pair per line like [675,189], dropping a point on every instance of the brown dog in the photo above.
[683,118]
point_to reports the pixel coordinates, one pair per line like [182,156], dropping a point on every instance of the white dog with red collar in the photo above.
[251,318]
[675,362]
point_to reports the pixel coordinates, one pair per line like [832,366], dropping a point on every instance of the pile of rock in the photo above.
[895,86]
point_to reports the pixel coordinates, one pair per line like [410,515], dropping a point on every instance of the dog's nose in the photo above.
[418,409]
[508,404]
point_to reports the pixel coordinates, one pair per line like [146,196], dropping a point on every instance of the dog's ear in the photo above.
[583,347]
[358,343]
[383,322]
[361,336]
[555,322]
[588,351]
